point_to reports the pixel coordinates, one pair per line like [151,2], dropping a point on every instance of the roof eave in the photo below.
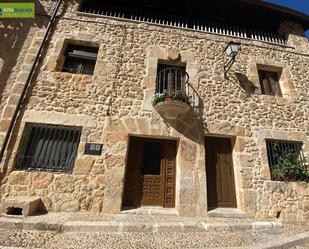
[294,13]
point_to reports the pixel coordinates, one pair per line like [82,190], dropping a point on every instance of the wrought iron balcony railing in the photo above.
[172,84]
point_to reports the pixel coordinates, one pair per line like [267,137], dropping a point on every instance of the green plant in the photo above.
[290,167]
[170,96]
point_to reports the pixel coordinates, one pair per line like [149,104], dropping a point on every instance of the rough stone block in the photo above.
[173,54]
[150,82]
[28,205]
[4,125]
[18,87]
[83,165]
[18,178]
[290,217]
[23,76]
[240,144]
[170,226]
[148,95]
[240,131]
[157,52]
[8,111]
[13,99]
[42,180]
[188,55]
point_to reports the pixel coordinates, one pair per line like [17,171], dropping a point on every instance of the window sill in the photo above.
[82,78]
[38,171]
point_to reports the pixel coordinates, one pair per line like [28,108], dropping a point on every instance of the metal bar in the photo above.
[49,146]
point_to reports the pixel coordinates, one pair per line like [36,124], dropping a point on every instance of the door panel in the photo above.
[170,174]
[151,191]
[132,180]
[150,173]
[220,176]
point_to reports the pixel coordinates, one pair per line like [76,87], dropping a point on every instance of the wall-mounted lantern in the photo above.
[231,50]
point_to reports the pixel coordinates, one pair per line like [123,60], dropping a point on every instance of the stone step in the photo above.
[140,226]
[226,213]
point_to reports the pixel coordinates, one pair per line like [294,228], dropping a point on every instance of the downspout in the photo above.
[31,73]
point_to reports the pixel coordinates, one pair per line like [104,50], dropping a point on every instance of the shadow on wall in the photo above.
[246,84]
[13,35]
[189,124]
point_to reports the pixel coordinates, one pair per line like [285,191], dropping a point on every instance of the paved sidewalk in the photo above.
[87,230]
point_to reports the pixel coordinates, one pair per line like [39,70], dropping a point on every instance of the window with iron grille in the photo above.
[170,78]
[80,59]
[286,159]
[48,148]
[269,82]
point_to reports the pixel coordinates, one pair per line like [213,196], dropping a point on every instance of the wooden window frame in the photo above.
[78,57]
[269,82]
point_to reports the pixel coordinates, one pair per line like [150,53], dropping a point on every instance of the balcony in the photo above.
[174,96]
[193,22]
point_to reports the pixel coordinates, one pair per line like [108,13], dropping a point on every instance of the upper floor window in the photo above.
[171,78]
[269,82]
[80,59]
[48,148]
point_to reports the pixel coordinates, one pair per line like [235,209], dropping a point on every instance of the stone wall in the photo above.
[16,38]
[288,201]
[114,104]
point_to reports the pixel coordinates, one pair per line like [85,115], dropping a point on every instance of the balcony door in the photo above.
[150,173]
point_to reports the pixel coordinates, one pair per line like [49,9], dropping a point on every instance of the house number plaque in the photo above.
[93,149]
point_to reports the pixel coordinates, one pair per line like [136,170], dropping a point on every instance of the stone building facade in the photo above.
[113,107]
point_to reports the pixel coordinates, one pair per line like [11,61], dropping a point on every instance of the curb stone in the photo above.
[117,227]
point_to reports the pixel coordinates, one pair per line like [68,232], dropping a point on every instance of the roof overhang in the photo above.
[244,10]
[294,14]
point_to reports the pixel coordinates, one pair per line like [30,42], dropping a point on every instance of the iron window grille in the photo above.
[80,59]
[278,148]
[269,82]
[48,148]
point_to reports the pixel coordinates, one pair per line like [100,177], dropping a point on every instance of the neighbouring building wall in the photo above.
[115,103]
[17,37]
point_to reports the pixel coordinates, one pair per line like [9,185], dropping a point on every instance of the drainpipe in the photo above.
[31,73]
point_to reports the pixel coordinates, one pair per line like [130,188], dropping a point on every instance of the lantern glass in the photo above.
[232,48]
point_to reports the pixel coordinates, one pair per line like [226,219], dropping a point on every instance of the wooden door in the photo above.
[150,173]
[220,175]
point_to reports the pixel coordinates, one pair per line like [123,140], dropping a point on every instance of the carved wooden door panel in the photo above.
[150,174]
[220,174]
[170,173]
